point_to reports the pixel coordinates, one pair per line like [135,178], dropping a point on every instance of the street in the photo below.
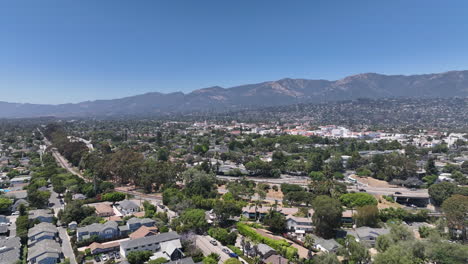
[66,246]
[203,242]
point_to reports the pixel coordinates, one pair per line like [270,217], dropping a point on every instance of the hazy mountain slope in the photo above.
[273,93]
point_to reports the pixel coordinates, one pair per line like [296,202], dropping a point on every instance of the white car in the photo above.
[15,213]
[104,257]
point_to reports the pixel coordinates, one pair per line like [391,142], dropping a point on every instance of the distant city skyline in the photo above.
[56,52]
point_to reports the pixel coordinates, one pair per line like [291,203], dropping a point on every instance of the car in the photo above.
[15,213]
[117,255]
[413,189]
[225,250]
[362,190]
[397,192]
[104,257]
[111,255]
[233,255]
[96,258]
[213,242]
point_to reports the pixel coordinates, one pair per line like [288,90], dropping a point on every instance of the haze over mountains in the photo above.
[271,93]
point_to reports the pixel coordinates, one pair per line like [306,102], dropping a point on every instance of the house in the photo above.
[347,217]
[4,220]
[249,211]
[10,250]
[166,245]
[135,223]
[20,180]
[299,224]
[368,235]
[45,252]
[264,251]
[276,259]
[43,215]
[97,248]
[124,231]
[108,230]
[326,245]
[79,196]
[41,232]
[127,207]
[182,261]
[144,231]
[103,209]
[22,194]
[16,205]
[4,231]
[73,225]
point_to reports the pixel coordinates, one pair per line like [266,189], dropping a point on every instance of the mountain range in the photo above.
[271,93]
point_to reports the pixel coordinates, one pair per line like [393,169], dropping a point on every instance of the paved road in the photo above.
[55,201]
[405,192]
[62,161]
[66,246]
[203,243]
[12,226]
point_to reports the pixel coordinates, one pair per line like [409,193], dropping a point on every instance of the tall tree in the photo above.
[456,211]
[327,215]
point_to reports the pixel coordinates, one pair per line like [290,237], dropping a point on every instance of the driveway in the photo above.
[66,246]
[12,226]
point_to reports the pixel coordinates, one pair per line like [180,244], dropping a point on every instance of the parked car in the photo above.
[104,257]
[362,190]
[225,250]
[397,192]
[15,213]
[96,258]
[213,242]
[117,255]
[233,255]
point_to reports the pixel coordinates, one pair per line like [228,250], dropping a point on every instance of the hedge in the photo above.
[282,246]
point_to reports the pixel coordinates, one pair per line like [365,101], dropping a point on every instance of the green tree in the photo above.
[358,199]
[224,210]
[275,221]
[395,255]
[193,219]
[401,233]
[441,191]
[384,242]
[139,257]
[223,235]
[367,216]
[232,261]
[160,260]
[456,211]
[113,197]
[326,258]
[5,204]
[354,251]
[327,215]
[75,211]
[431,169]
[309,243]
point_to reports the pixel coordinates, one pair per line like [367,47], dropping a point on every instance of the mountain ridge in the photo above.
[284,91]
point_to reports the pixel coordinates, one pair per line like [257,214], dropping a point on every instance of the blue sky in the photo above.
[70,51]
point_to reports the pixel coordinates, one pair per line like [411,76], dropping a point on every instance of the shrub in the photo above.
[278,245]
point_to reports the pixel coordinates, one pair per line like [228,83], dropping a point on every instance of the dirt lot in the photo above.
[371,182]
[385,204]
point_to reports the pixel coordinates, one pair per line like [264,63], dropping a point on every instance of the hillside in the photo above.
[272,93]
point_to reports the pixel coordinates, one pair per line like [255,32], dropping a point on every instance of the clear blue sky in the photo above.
[70,51]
